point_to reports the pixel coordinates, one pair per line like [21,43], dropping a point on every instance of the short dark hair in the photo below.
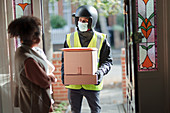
[27,28]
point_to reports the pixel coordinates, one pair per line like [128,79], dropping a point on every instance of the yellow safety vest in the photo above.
[96,42]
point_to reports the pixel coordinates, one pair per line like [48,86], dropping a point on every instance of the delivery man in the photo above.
[85,19]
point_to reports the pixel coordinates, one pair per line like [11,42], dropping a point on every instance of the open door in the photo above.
[147,55]
[131,67]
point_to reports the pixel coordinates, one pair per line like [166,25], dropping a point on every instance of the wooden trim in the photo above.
[11,48]
[4,59]
[165,49]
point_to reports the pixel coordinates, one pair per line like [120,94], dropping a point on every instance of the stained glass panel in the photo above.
[146,22]
[22,7]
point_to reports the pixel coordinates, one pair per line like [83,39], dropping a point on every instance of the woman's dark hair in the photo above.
[27,28]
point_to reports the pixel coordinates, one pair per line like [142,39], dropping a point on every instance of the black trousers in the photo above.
[76,96]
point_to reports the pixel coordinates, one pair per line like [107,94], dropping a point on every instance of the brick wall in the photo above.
[123,73]
[60,8]
[111,20]
[73,10]
[59,90]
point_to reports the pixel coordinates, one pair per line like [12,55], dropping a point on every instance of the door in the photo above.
[147,55]
[131,58]
[153,56]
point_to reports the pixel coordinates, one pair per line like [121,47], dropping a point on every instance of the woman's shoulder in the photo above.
[22,53]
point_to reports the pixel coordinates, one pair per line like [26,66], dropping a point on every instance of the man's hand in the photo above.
[99,74]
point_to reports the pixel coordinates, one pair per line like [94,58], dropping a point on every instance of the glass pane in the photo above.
[22,7]
[146,22]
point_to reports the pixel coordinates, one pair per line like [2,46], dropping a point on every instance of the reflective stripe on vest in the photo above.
[96,42]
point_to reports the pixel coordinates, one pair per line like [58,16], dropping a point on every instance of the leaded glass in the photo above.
[22,7]
[146,22]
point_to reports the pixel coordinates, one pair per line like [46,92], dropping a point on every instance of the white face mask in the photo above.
[82,26]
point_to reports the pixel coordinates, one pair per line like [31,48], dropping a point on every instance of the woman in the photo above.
[31,77]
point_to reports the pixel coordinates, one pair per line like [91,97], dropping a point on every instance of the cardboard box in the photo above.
[80,61]
[80,79]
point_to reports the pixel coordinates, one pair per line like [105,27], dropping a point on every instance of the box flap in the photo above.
[80,79]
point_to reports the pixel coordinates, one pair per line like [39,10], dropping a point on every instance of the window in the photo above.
[146,23]
[22,7]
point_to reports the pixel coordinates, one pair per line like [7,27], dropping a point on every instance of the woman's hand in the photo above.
[52,78]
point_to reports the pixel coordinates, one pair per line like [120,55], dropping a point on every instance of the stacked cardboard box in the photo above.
[80,65]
